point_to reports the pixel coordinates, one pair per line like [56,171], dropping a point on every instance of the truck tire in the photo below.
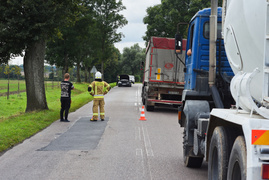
[143,95]
[190,110]
[143,101]
[219,151]
[238,160]
[148,107]
[190,160]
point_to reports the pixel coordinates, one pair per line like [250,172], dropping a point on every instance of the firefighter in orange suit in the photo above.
[98,89]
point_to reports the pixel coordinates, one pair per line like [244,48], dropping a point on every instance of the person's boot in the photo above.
[93,119]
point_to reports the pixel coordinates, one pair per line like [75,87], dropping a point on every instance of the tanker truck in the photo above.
[225,101]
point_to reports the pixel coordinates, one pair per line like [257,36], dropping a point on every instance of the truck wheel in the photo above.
[148,108]
[143,101]
[238,160]
[142,95]
[190,159]
[190,110]
[218,154]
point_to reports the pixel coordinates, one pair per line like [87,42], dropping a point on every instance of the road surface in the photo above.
[120,148]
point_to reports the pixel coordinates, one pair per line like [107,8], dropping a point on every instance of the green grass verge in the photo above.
[13,85]
[16,126]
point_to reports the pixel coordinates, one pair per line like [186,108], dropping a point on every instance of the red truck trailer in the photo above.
[163,73]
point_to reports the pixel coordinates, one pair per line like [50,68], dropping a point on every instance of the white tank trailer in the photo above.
[235,141]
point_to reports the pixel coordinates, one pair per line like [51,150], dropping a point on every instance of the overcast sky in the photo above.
[134,13]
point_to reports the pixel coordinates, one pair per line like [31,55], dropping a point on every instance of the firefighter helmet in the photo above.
[98,75]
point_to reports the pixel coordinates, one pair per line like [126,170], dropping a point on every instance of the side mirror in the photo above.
[178,44]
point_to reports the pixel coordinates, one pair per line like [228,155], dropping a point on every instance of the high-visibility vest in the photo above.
[99,88]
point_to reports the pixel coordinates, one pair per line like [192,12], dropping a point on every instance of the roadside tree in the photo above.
[26,26]
[162,19]
[131,60]
[75,43]
[17,71]
[112,66]
[108,20]
[7,72]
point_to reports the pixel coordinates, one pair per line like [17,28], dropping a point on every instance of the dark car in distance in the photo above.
[124,80]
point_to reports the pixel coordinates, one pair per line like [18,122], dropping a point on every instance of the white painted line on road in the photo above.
[149,150]
[139,152]
[137,133]
[147,141]
[142,163]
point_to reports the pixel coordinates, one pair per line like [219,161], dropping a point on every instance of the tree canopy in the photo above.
[26,21]
[108,20]
[131,61]
[91,40]
[162,19]
[25,26]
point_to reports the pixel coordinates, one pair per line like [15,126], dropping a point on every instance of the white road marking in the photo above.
[147,141]
[137,133]
[140,164]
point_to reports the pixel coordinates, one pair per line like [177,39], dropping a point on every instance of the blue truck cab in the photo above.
[197,64]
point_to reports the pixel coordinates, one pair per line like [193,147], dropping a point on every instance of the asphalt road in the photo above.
[120,148]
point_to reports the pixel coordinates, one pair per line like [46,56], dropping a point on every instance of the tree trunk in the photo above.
[78,73]
[18,85]
[52,71]
[85,74]
[90,76]
[33,63]
[65,69]
[8,87]
[102,69]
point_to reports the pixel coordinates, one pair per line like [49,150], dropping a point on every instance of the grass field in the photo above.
[13,86]
[16,125]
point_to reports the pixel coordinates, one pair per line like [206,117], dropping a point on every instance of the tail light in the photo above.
[265,171]
[180,115]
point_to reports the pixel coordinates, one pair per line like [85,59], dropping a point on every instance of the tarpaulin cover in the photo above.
[166,43]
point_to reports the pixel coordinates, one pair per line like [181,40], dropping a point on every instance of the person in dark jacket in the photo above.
[66,88]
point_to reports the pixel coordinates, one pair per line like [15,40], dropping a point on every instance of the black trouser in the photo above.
[65,106]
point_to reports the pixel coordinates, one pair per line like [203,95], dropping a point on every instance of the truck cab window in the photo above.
[191,36]
[206,30]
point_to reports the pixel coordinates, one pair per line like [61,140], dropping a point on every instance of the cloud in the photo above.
[135,29]
[133,32]
[16,61]
[123,45]
[136,10]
